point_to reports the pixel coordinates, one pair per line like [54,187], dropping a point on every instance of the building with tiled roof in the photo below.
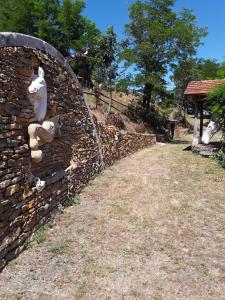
[198,90]
[202,87]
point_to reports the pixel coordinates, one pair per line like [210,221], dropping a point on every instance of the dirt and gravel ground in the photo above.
[150,227]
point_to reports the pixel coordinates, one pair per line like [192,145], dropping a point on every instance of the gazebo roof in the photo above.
[202,87]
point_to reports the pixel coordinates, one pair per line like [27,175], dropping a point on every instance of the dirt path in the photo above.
[150,227]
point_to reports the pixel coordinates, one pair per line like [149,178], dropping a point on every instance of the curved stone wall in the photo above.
[12,39]
[68,162]
[79,150]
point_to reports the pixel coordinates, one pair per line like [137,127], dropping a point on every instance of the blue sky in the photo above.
[210,13]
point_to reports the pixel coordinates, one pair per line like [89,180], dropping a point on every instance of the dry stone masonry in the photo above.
[32,187]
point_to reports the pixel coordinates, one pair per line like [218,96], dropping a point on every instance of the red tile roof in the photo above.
[202,87]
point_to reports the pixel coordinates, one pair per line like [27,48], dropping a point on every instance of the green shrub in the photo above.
[216,101]
[153,118]
[220,157]
[40,236]
[59,247]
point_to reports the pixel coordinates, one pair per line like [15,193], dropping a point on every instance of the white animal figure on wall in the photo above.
[37,94]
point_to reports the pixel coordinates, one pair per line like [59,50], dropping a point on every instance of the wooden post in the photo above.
[201,117]
[96,93]
[196,120]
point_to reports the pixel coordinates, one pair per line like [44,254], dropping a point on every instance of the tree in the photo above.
[58,22]
[193,69]
[18,16]
[103,58]
[209,68]
[216,101]
[124,83]
[221,72]
[73,25]
[158,39]
[185,72]
[47,23]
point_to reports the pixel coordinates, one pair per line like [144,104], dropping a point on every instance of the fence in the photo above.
[98,96]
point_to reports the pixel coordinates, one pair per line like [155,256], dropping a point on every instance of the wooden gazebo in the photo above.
[198,90]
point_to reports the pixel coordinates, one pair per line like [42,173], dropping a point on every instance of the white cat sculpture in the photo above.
[37,94]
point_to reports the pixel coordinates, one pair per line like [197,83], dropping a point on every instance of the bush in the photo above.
[115,120]
[216,101]
[140,128]
[153,118]
[220,157]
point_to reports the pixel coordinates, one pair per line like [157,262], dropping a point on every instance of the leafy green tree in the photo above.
[221,72]
[18,16]
[193,69]
[124,83]
[216,100]
[46,22]
[158,38]
[73,25]
[209,68]
[103,58]
[58,22]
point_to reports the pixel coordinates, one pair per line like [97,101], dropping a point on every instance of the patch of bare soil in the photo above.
[101,116]
[150,227]
[102,111]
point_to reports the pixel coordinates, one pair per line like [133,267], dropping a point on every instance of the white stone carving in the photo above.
[37,94]
[40,135]
[39,184]
[211,129]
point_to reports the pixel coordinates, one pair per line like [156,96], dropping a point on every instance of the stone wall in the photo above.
[81,150]
[117,144]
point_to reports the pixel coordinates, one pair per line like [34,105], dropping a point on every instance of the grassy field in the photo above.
[150,227]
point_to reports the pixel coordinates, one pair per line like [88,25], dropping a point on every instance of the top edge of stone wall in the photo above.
[14,39]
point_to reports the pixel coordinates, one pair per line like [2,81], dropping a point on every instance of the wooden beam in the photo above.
[196,119]
[201,117]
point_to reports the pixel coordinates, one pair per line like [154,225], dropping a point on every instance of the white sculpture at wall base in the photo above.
[211,130]
[37,94]
[40,135]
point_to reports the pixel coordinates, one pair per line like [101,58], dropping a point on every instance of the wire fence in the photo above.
[99,98]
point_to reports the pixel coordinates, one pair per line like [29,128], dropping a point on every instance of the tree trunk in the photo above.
[147,95]
[110,96]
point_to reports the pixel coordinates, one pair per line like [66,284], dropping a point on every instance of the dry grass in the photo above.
[150,227]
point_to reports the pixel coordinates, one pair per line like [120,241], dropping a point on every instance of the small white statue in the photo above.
[211,129]
[40,135]
[39,184]
[37,94]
